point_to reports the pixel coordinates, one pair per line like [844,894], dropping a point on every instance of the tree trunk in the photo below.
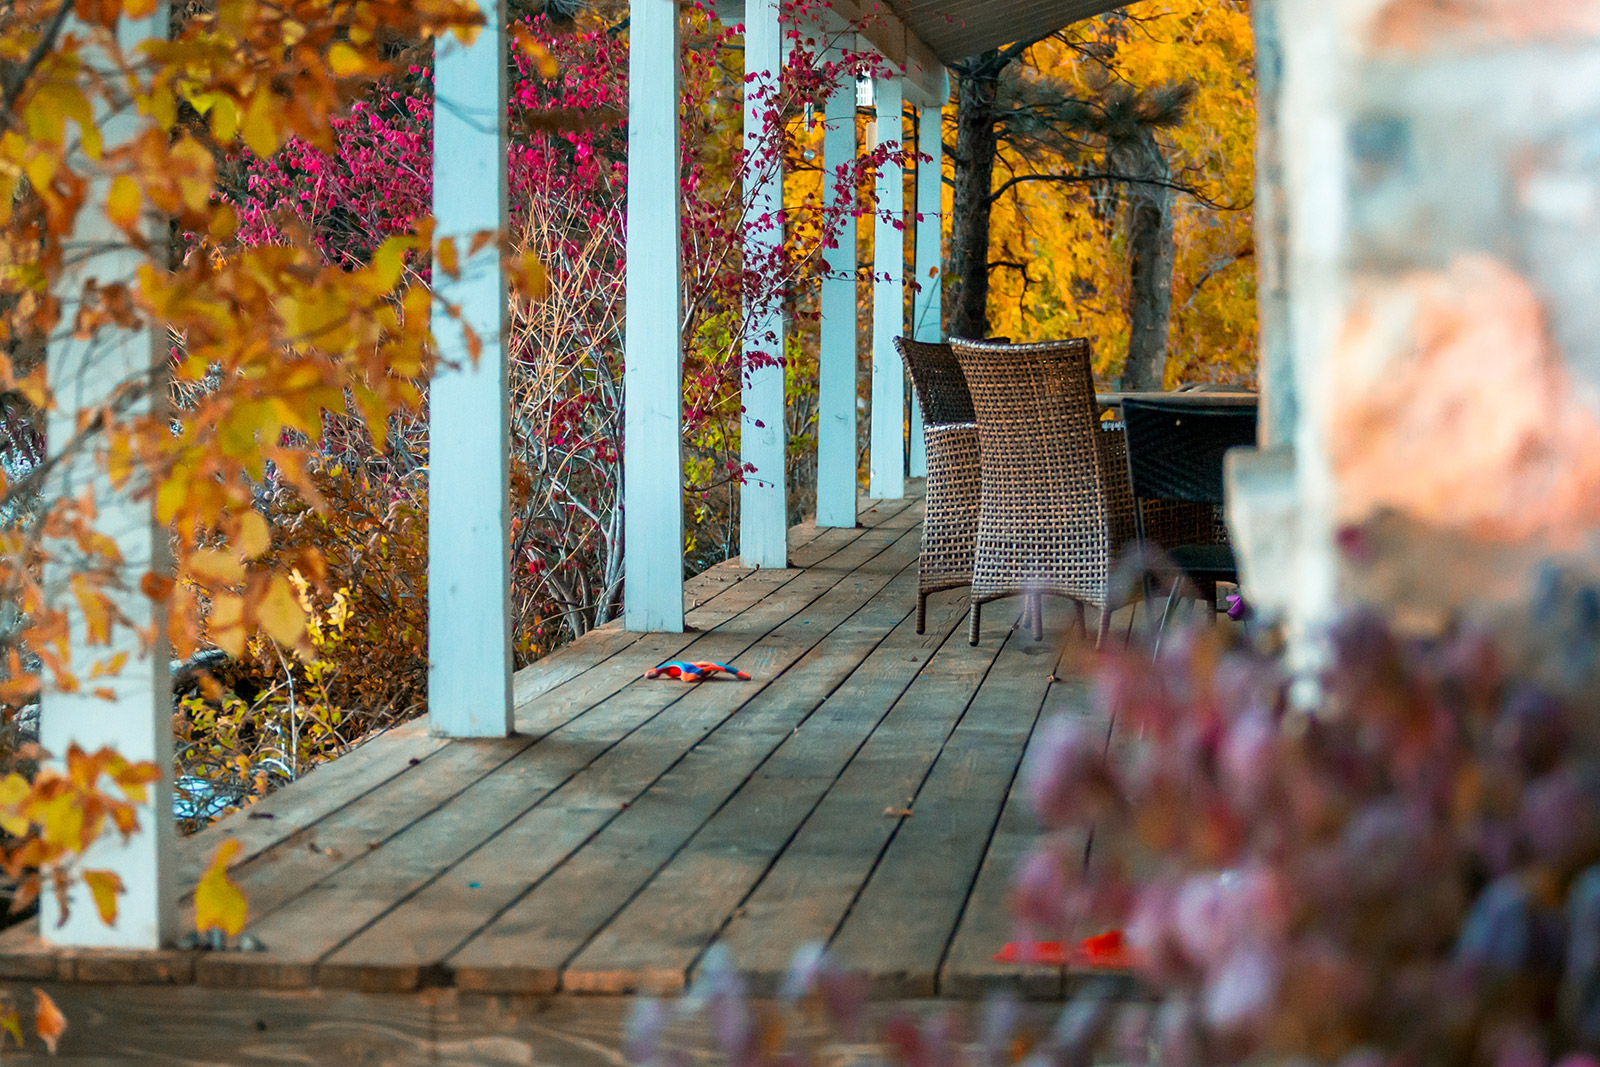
[1151,252]
[977,143]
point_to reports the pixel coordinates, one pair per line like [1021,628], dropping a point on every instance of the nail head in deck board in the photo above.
[810,889]
[661,740]
[663,930]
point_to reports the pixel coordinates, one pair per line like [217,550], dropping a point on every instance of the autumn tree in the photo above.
[1085,164]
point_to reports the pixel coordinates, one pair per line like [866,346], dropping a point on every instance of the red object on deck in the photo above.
[694,672]
[1107,951]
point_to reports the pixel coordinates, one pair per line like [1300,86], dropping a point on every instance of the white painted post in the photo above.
[927,304]
[763,440]
[469,502]
[652,458]
[887,463]
[836,384]
[137,720]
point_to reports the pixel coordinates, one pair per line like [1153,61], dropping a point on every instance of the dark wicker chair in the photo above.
[1175,450]
[951,523]
[1056,508]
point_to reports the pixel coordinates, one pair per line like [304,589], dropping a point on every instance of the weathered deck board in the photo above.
[631,825]
[862,763]
[653,942]
[532,940]
[322,918]
[900,925]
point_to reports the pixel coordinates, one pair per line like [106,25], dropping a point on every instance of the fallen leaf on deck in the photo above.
[898,812]
[48,1021]
[218,904]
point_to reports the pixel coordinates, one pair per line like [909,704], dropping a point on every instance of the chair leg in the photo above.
[1083,617]
[1166,615]
[1105,626]
[1036,615]
[922,612]
[974,620]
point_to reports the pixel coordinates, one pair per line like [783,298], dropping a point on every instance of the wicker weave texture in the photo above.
[1056,508]
[950,525]
[937,378]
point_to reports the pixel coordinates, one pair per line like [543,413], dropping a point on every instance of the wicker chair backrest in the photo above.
[1045,515]
[1175,448]
[937,378]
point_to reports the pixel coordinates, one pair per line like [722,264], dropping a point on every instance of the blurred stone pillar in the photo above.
[1442,175]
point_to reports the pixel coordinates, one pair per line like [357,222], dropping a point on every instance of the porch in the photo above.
[861,789]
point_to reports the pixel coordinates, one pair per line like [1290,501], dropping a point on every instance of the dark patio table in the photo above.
[1199,397]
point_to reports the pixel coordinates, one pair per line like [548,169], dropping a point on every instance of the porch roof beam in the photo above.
[880,29]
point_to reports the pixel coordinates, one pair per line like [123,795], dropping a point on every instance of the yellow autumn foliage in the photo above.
[1074,248]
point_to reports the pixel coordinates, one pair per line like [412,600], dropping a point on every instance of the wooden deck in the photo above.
[860,790]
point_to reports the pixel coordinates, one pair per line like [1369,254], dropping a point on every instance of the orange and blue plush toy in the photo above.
[694,672]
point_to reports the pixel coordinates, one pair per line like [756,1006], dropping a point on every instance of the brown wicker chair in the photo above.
[1055,507]
[950,525]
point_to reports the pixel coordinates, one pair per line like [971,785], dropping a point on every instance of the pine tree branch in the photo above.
[1128,179]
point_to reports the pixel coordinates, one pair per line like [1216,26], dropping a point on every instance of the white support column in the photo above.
[836,386]
[888,462]
[469,502]
[137,720]
[927,313]
[652,459]
[763,438]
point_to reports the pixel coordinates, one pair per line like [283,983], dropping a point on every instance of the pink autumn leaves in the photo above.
[1410,868]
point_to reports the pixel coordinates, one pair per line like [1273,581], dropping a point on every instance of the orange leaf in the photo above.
[445,254]
[156,586]
[138,9]
[104,885]
[48,1020]
[216,568]
[218,904]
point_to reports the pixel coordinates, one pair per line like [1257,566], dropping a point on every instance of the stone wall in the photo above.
[1440,184]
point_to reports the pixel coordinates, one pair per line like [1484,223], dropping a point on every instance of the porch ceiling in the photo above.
[956,29]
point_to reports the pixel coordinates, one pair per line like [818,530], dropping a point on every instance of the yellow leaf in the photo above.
[104,885]
[11,1023]
[216,568]
[138,9]
[254,535]
[280,614]
[224,222]
[122,202]
[172,495]
[260,126]
[345,61]
[224,119]
[226,624]
[48,1020]
[218,904]
[61,822]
